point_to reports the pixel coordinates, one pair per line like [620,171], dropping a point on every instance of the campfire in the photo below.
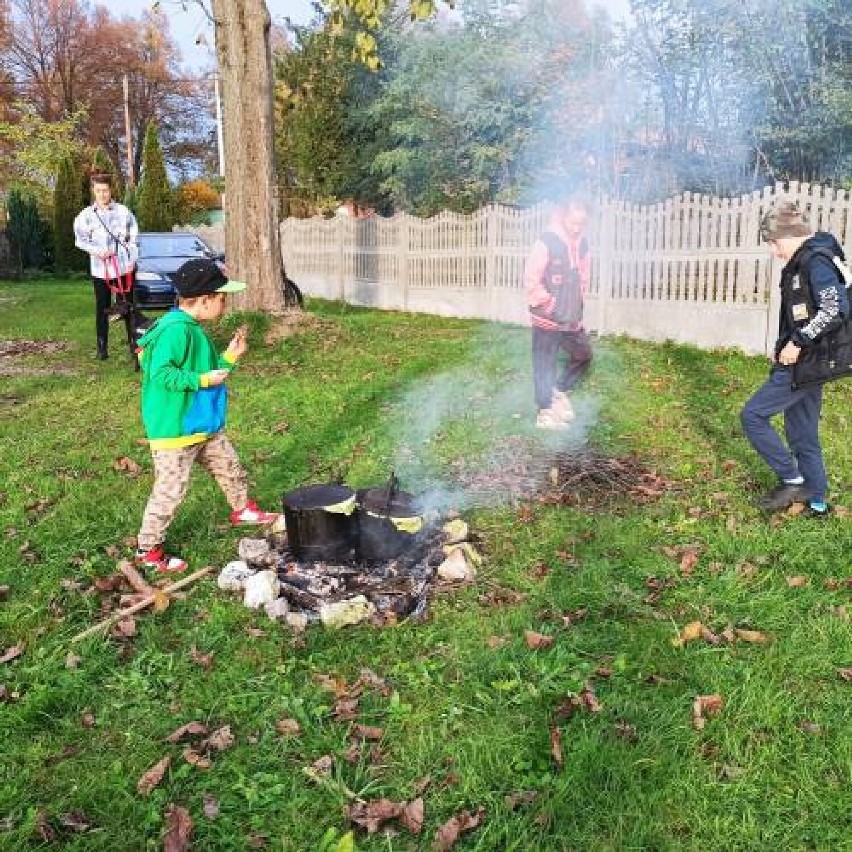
[348,557]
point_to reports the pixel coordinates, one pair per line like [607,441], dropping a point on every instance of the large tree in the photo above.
[252,241]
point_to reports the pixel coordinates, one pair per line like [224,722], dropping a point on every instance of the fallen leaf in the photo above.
[12,653]
[689,633]
[709,636]
[447,835]
[322,766]
[346,709]
[332,684]
[87,719]
[688,561]
[4,591]
[797,582]
[845,674]
[515,800]
[288,727]
[280,428]
[412,816]
[210,808]
[178,829]
[704,706]
[161,601]
[190,729]
[371,815]
[193,758]
[153,776]
[556,745]
[570,618]
[76,821]
[220,740]
[809,727]
[352,753]
[112,551]
[72,661]
[421,785]
[124,464]
[43,827]
[256,841]
[590,700]
[753,636]
[626,731]
[795,509]
[255,632]
[126,628]
[366,732]
[537,640]
[495,642]
[203,660]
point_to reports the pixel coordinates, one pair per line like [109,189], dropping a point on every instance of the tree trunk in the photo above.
[252,245]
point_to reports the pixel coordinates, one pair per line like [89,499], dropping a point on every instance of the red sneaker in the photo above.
[156,558]
[252,515]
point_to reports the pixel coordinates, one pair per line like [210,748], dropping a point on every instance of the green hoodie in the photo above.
[177,409]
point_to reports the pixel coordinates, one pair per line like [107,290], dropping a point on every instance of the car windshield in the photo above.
[172,245]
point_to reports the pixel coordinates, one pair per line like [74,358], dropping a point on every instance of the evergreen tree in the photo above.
[131,200]
[155,198]
[29,234]
[66,205]
[103,164]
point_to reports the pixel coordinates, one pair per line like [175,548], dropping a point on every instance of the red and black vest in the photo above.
[562,280]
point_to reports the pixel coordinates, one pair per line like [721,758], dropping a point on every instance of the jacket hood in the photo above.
[174,317]
[824,240]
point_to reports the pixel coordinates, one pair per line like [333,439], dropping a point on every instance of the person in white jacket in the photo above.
[107,231]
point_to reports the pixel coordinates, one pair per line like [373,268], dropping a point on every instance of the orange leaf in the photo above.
[179,829]
[537,640]
[753,636]
[556,745]
[190,729]
[797,582]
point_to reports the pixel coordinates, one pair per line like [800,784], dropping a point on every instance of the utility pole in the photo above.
[130,178]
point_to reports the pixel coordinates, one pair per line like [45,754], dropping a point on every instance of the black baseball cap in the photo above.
[202,277]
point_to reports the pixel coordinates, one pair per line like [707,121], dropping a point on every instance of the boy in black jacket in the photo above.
[813,304]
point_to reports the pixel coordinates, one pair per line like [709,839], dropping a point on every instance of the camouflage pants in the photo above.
[172,469]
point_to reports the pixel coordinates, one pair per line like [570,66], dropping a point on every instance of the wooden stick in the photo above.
[130,610]
[136,580]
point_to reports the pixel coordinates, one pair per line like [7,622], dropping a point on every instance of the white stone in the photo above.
[260,589]
[232,578]
[253,549]
[278,609]
[350,611]
[456,567]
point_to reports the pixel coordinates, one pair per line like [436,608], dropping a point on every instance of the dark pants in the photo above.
[103,302]
[546,346]
[801,410]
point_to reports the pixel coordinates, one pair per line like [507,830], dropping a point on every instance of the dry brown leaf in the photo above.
[626,731]
[515,800]
[72,661]
[280,428]
[322,766]
[288,727]
[332,684]
[589,700]
[190,729]
[210,808]
[346,709]
[412,815]
[809,727]
[366,732]
[795,509]
[447,835]
[220,740]
[76,821]
[753,636]
[87,719]
[12,653]
[178,829]
[537,640]
[124,464]
[421,785]
[371,815]
[161,600]
[193,758]
[689,633]
[709,636]
[352,753]
[688,561]
[495,642]
[126,628]
[797,582]
[112,551]
[705,706]
[845,674]
[203,660]
[556,745]
[153,776]
[43,827]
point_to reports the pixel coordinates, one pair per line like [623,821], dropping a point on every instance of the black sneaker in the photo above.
[810,512]
[783,496]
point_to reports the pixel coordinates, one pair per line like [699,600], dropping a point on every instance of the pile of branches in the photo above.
[591,478]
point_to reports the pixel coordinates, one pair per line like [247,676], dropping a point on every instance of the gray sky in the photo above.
[188,22]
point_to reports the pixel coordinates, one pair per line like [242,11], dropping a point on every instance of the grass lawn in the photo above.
[469,704]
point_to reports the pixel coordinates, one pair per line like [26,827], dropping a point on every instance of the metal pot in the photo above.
[388,522]
[320,521]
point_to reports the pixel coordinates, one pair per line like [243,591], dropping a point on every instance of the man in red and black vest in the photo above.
[556,279]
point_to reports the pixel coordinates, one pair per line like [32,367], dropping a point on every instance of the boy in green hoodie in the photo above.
[184,401]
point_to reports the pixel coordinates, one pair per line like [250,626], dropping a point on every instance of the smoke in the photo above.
[466,437]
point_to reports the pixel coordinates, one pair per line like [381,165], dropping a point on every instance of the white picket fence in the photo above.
[690,269]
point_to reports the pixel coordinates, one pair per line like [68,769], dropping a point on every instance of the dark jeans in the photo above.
[103,302]
[546,346]
[801,410]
